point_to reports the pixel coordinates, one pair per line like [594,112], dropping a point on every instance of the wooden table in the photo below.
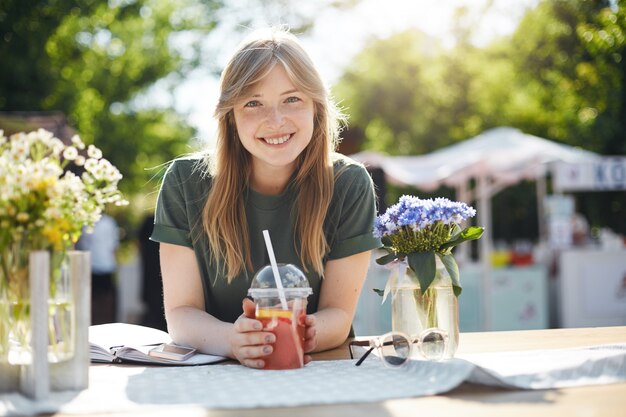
[472,400]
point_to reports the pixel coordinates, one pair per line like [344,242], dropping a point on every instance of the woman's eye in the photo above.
[253,103]
[292,99]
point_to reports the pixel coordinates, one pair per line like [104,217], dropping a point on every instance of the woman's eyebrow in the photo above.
[282,94]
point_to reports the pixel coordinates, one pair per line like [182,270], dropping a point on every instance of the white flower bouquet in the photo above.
[44,206]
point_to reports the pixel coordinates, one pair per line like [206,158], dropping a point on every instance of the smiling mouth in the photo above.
[279,140]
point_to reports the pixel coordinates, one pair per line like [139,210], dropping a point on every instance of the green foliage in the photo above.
[90,59]
[453,269]
[96,60]
[465,235]
[423,262]
[387,94]
[561,75]
[424,265]
[574,80]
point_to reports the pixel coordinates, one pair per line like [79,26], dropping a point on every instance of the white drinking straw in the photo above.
[279,283]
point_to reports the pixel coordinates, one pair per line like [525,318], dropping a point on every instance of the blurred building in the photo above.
[26,121]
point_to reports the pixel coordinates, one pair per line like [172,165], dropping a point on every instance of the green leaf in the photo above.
[453,269]
[385,259]
[384,293]
[469,233]
[423,264]
[386,240]
[387,290]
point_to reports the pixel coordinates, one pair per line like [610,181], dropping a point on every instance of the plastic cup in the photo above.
[287,325]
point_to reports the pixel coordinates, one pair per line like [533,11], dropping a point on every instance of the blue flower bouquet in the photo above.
[416,230]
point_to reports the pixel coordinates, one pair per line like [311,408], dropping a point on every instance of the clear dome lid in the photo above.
[295,283]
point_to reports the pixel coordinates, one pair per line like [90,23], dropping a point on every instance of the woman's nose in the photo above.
[275,117]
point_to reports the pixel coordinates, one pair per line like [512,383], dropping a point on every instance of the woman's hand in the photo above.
[310,337]
[249,344]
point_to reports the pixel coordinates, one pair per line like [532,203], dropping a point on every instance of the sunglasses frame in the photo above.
[378,343]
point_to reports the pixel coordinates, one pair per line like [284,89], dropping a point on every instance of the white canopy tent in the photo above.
[505,154]
[495,159]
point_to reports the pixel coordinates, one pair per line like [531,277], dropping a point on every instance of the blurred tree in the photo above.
[570,60]
[570,74]
[98,61]
[89,59]
[409,95]
[386,94]
[561,75]
[111,66]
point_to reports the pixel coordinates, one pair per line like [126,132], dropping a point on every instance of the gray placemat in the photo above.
[125,389]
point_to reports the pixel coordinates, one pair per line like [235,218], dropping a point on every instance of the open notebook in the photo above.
[123,342]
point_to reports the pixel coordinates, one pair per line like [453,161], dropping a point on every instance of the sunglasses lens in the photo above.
[434,343]
[395,350]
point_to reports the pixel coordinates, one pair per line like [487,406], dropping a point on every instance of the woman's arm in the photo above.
[189,324]
[340,290]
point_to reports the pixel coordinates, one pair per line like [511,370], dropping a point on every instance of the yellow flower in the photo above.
[22,217]
[64,225]
[52,234]
[43,183]
[40,200]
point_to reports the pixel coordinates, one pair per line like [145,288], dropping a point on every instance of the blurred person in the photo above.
[581,232]
[274,168]
[103,243]
[152,286]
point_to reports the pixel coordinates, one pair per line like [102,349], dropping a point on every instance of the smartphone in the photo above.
[171,351]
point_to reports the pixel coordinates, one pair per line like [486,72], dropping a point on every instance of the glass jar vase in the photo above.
[413,311]
[15,308]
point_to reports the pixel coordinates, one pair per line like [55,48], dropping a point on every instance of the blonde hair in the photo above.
[224,218]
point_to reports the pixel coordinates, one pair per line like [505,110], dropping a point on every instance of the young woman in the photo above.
[274,168]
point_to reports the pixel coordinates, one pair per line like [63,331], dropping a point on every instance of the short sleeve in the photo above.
[355,213]
[171,223]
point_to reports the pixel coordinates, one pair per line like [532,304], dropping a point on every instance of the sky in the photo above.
[338,35]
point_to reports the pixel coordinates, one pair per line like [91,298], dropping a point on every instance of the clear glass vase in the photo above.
[15,309]
[412,311]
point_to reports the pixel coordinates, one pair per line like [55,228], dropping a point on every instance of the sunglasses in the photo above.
[395,348]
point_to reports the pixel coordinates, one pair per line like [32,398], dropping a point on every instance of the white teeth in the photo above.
[277,141]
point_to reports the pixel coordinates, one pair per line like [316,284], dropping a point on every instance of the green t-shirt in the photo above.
[348,228]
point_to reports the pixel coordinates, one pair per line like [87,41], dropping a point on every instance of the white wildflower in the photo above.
[80,160]
[57,146]
[70,153]
[78,142]
[19,150]
[94,152]
[36,193]
[87,178]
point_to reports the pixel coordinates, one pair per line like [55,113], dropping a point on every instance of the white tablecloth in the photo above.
[119,388]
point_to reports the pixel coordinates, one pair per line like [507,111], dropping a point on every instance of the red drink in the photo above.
[288,352]
[282,310]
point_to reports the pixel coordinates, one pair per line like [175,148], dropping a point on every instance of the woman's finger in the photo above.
[255,352]
[253,363]
[254,338]
[310,334]
[309,345]
[249,308]
[244,324]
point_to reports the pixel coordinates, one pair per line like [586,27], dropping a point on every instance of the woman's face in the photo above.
[274,121]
